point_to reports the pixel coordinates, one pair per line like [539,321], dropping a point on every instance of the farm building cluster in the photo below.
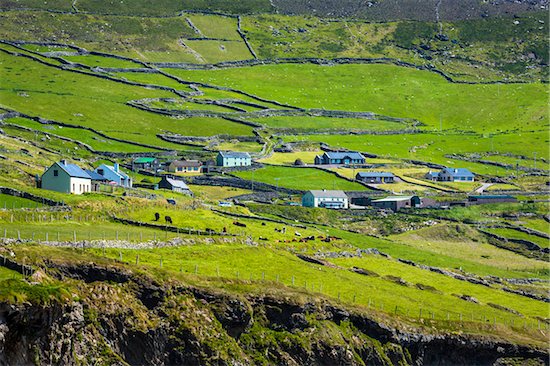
[70,178]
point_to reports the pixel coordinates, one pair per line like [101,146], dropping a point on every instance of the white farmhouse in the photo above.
[66,178]
[326,199]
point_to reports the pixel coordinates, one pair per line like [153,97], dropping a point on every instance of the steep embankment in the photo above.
[116,316]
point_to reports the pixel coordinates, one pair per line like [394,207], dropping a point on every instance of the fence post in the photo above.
[218,271]
[18,235]
[161,262]
[196,268]
[292,280]
[46,236]
[420,316]
[137,259]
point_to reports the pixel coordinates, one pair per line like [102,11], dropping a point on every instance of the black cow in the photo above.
[157,216]
[168,219]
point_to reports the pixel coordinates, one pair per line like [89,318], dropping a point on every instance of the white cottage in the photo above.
[326,199]
[66,178]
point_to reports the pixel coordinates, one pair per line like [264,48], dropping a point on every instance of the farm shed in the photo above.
[339,158]
[147,163]
[66,178]
[375,177]
[114,174]
[484,199]
[325,199]
[395,203]
[233,158]
[175,185]
[185,166]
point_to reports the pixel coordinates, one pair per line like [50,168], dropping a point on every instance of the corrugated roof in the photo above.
[394,199]
[144,160]
[459,172]
[177,183]
[328,194]
[492,196]
[341,155]
[235,154]
[375,174]
[73,170]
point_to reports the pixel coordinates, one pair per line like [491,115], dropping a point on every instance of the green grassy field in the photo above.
[12,202]
[309,124]
[262,263]
[59,95]
[514,234]
[434,147]
[394,91]
[299,178]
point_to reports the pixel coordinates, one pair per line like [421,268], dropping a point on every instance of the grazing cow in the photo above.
[262,238]
[224,229]
[297,233]
[157,216]
[168,219]
[284,230]
[240,224]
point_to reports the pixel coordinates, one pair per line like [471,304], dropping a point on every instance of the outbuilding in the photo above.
[175,185]
[395,203]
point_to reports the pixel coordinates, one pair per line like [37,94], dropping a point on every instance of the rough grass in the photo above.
[212,26]
[465,243]
[258,263]
[299,178]
[218,51]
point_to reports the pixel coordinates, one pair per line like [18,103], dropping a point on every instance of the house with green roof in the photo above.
[145,163]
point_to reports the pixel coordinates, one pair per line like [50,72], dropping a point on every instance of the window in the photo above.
[73,187]
[100,171]
[56,173]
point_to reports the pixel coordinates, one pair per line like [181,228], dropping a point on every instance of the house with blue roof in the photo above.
[456,175]
[433,176]
[114,174]
[66,178]
[233,158]
[375,177]
[339,158]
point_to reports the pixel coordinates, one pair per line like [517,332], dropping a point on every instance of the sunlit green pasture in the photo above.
[394,91]
[299,178]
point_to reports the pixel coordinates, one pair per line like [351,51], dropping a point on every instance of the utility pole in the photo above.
[277,180]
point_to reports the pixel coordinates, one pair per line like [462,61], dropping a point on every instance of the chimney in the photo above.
[63,162]
[115,167]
